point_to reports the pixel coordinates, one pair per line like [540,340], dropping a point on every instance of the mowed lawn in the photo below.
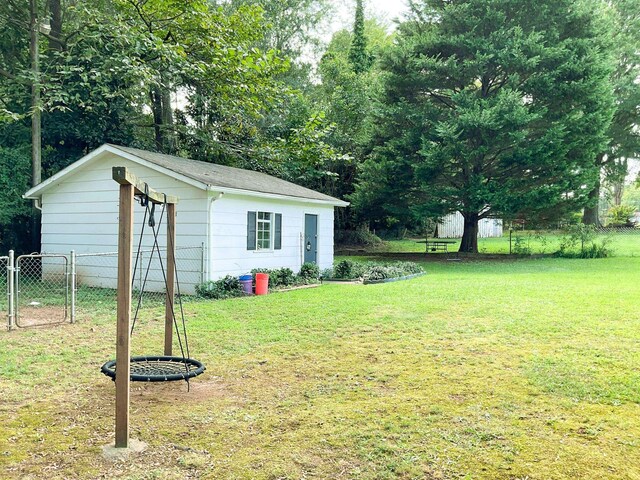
[530,242]
[507,369]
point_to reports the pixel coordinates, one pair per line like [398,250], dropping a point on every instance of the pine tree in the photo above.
[492,108]
[358,55]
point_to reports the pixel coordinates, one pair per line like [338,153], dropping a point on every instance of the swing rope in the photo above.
[158,368]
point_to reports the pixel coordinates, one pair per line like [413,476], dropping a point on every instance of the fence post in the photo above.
[72,280]
[10,290]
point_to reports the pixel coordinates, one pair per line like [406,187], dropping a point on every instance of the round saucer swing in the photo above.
[157,368]
[145,368]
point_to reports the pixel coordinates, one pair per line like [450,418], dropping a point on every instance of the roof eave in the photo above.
[252,193]
[35,193]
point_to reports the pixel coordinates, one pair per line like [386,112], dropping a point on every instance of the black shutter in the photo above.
[251,230]
[277,241]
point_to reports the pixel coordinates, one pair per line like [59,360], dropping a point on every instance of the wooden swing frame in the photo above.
[130,187]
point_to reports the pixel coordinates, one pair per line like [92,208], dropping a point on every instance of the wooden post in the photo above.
[130,186]
[125,242]
[169,313]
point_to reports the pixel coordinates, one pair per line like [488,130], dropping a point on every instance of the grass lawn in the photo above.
[624,244]
[507,369]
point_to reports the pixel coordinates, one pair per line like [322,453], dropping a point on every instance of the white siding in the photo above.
[452,226]
[81,213]
[228,248]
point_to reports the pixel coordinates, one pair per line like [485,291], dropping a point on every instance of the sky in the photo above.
[386,9]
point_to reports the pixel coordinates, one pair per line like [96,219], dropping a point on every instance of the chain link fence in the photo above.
[6,295]
[46,289]
[42,290]
[96,276]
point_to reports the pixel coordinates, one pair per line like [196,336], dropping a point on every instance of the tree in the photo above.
[623,134]
[108,68]
[491,108]
[349,99]
[358,55]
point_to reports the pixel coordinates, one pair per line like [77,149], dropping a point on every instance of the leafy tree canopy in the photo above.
[491,107]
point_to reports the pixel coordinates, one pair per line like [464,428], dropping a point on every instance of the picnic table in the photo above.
[437,244]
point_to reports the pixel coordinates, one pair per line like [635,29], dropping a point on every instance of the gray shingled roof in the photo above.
[227,177]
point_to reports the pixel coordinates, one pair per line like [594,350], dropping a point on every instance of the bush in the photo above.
[344,269]
[309,273]
[620,216]
[226,287]
[278,277]
[581,242]
[347,270]
[359,237]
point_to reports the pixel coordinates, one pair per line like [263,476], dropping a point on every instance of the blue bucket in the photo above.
[247,283]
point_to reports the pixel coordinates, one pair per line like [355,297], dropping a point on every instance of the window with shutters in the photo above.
[264,231]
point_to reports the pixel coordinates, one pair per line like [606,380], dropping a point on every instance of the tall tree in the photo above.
[108,67]
[358,54]
[623,134]
[492,107]
[349,100]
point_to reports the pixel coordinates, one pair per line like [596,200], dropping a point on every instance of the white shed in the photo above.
[452,226]
[237,219]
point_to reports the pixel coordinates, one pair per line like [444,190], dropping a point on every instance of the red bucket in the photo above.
[262,283]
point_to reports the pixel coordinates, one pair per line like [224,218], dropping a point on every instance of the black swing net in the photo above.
[152,368]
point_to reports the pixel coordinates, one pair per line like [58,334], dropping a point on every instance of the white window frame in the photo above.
[262,221]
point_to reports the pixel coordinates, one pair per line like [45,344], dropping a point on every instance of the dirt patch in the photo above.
[41,316]
[173,392]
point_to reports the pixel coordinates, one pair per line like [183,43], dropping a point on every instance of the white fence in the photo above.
[452,226]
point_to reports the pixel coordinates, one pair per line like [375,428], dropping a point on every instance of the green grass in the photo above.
[626,244]
[509,369]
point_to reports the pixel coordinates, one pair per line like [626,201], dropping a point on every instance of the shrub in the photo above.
[359,237]
[226,287]
[347,269]
[620,216]
[278,277]
[344,269]
[309,273]
[581,242]
[283,277]
[377,272]
[327,273]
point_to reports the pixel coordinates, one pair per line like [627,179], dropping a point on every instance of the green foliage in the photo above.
[581,241]
[305,156]
[490,108]
[361,236]
[620,216]
[226,287]
[358,55]
[349,270]
[309,273]
[15,212]
[278,277]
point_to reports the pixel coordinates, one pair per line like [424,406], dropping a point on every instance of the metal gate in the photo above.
[42,290]
[6,268]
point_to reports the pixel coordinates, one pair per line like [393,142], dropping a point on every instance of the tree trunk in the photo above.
[36,128]
[56,25]
[469,243]
[156,109]
[590,216]
[162,118]
[618,192]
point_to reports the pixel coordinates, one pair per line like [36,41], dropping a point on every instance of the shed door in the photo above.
[310,238]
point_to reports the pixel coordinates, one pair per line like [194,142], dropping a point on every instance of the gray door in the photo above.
[310,238]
